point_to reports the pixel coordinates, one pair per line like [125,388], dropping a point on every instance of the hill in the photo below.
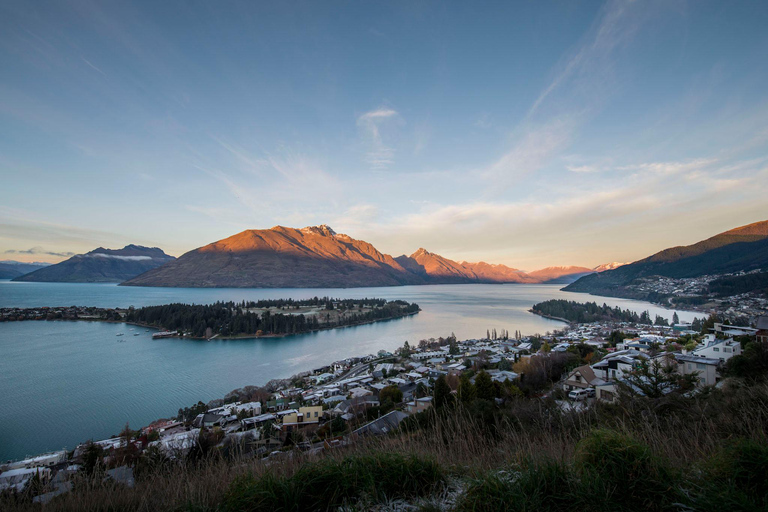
[740,249]
[101,266]
[10,269]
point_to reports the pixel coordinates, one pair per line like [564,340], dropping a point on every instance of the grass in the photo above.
[684,454]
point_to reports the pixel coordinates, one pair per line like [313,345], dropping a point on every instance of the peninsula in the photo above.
[229,320]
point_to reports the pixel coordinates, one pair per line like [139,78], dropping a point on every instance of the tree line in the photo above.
[590,312]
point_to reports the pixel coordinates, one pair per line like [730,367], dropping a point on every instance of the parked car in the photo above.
[578,394]
[591,393]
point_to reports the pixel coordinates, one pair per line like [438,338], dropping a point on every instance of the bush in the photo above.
[331,483]
[631,477]
[547,486]
[736,478]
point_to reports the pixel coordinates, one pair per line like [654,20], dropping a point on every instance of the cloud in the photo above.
[117,257]
[40,250]
[379,155]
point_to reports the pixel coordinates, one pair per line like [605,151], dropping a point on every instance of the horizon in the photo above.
[535,135]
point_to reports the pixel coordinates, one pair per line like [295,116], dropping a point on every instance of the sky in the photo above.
[531,133]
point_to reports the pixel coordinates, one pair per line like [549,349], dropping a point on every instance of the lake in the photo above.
[64,382]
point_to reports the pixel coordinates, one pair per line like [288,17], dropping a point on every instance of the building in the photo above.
[705,368]
[303,417]
[418,405]
[581,378]
[714,348]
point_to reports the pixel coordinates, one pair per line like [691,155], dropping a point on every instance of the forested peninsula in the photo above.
[245,319]
[268,317]
[576,312]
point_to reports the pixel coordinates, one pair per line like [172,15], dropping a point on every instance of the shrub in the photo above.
[332,483]
[630,476]
[547,486]
[735,478]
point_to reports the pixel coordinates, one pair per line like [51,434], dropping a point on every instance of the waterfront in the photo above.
[63,381]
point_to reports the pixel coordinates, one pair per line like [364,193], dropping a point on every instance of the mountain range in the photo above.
[101,266]
[741,249]
[318,257]
[10,269]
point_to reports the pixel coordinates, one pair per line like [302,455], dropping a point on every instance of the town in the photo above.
[346,402]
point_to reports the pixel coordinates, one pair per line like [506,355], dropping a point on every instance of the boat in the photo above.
[164,334]
[136,334]
[119,334]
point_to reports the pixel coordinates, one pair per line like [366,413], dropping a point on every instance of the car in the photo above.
[578,394]
[591,393]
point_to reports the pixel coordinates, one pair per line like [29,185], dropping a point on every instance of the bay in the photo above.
[62,382]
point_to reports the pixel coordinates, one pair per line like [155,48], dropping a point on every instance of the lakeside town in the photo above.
[350,400]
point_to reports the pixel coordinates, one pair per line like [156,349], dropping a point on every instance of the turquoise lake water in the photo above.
[62,383]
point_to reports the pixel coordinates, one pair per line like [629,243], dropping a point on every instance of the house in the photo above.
[614,365]
[706,368]
[256,421]
[17,479]
[177,445]
[502,375]
[418,405]
[581,378]
[715,348]
[356,406]
[304,416]
[734,330]
[383,425]
[44,460]
[358,392]
[762,329]
[209,420]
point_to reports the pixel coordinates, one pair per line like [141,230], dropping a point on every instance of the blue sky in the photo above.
[525,133]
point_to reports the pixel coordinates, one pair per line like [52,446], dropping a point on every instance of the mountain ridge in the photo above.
[101,266]
[318,257]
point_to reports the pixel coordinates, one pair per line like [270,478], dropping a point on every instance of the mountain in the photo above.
[740,249]
[318,257]
[559,274]
[609,266]
[10,269]
[281,257]
[101,266]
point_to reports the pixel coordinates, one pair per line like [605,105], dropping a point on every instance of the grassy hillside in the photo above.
[708,452]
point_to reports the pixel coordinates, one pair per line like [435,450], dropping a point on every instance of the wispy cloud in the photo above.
[40,251]
[379,155]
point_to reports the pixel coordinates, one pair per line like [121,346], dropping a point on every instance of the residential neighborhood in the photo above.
[341,403]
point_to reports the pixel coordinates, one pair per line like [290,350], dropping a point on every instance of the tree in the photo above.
[661,321]
[675,318]
[505,365]
[442,393]
[406,350]
[391,394]
[453,348]
[484,386]
[545,347]
[656,378]
[466,389]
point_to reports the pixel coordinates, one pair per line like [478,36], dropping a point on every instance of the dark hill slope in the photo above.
[740,249]
[102,266]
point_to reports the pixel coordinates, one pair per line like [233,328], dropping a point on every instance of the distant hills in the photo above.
[318,257]
[101,266]
[740,249]
[10,269]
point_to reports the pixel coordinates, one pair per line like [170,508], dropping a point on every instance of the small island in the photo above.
[229,320]
[576,312]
